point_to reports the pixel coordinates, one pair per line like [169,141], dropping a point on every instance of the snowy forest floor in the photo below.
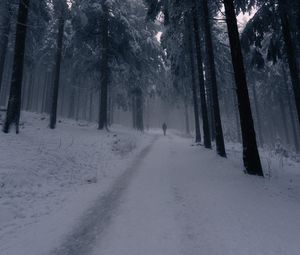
[78,191]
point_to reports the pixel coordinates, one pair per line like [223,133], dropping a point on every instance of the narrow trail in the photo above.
[146,221]
[82,238]
[179,199]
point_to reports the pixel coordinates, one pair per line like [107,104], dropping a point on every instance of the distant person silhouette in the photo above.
[164,127]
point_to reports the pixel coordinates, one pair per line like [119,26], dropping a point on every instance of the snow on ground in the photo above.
[281,169]
[78,191]
[49,177]
[187,200]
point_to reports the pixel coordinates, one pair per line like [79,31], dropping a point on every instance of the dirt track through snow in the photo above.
[83,237]
[179,199]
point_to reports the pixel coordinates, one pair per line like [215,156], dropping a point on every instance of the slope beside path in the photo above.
[49,178]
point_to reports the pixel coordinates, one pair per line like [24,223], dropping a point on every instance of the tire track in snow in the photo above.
[92,225]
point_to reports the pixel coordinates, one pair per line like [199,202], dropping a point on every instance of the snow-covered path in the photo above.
[95,221]
[180,199]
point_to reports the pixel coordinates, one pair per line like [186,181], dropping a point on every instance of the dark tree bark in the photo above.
[139,110]
[104,69]
[87,105]
[298,28]
[210,107]
[14,102]
[78,104]
[250,152]
[58,57]
[71,112]
[194,88]
[109,103]
[291,54]
[4,34]
[133,111]
[186,116]
[206,132]
[111,112]
[213,80]
[91,106]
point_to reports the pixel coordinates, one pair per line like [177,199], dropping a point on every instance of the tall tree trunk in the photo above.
[58,57]
[194,88]
[133,111]
[72,104]
[29,89]
[139,110]
[210,107]
[14,102]
[257,113]
[186,115]
[250,152]
[298,28]
[4,34]
[213,80]
[211,111]
[291,54]
[87,106]
[78,103]
[104,69]
[108,108]
[111,113]
[206,133]
[91,106]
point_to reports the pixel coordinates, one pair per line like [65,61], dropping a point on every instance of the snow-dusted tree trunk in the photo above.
[71,111]
[14,102]
[250,152]
[58,57]
[206,133]
[133,111]
[213,81]
[137,109]
[209,101]
[186,116]
[140,110]
[104,68]
[4,33]
[190,45]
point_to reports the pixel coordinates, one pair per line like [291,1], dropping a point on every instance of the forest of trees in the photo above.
[83,59]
